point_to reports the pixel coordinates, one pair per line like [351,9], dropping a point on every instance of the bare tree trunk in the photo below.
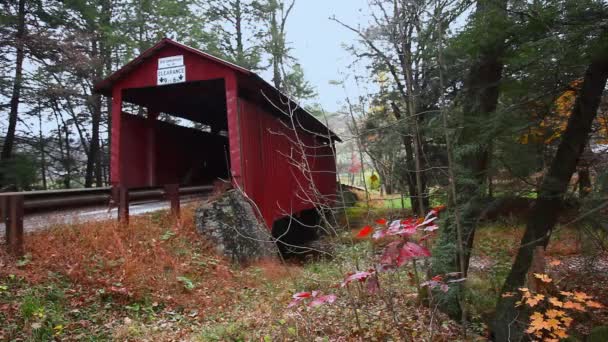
[105,52]
[67,182]
[93,162]
[106,149]
[9,140]
[277,57]
[42,152]
[238,26]
[410,164]
[545,212]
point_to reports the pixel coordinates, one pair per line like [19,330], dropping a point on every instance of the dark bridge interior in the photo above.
[167,151]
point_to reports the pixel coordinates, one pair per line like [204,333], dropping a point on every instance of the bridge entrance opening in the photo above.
[174,134]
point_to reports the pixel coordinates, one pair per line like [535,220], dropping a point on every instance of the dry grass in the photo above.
[153,257]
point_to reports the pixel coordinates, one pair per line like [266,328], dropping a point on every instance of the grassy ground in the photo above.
[572,263]
[158,280]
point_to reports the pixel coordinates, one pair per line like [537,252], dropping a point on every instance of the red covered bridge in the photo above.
[241,129]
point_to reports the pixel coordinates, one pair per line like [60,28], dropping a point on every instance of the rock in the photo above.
[233,228]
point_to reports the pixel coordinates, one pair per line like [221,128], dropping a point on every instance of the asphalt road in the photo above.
[39,221]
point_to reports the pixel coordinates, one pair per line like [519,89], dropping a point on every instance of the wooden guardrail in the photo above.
[15,205]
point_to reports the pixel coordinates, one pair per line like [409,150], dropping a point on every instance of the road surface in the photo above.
[39,221]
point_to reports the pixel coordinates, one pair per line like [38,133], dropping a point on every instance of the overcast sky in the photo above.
[317,44]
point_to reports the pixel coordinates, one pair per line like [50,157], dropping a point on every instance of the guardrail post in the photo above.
[114,196]
[14,224]
[3,216]
[123,204]
[172,194]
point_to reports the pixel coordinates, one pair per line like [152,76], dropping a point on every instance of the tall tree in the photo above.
[237,26]
[19,39]
[276,42]
[576,23]
[545,212]
[479,101]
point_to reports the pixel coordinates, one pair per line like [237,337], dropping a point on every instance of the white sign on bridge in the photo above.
[170,62]
[171,70]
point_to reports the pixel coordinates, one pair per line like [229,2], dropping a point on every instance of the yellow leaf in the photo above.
[555,263]
[537,316]
[566,293]
[581,296]
[543,277]
[554,313]
[524,289]
[594,304]
[537,323]
[507,294]
[532,301]
[556,302]
[567,321]
[561,333]
[573,305]
[553,324]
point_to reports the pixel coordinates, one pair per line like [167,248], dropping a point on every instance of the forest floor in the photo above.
[158,280]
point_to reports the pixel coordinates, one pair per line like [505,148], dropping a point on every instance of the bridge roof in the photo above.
[247,79]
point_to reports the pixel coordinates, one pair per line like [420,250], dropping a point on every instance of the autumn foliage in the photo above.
[552,309]
[400,249]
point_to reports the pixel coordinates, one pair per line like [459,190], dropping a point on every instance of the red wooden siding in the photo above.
[270,156]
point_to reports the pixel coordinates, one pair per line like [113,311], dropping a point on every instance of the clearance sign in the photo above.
[171,70]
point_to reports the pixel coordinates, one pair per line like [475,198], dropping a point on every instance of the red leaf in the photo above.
[426,221]
[365,231]
[437,278]
[411,230]
[379,234]
[404,256]
[431,228]
[298,297]
[417,250]
[381,221]
[391,253]
[395,225]
[360,276]
[302,295]
[439,208]
[320,300]
[411,250]
[408,221]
